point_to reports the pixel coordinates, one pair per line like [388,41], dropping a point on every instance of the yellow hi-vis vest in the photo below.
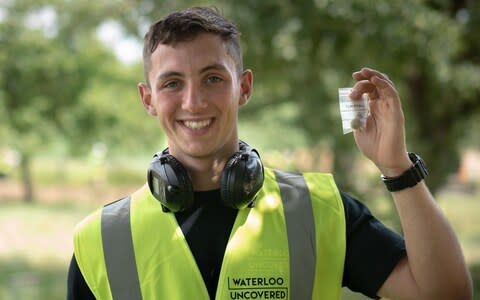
[290,245]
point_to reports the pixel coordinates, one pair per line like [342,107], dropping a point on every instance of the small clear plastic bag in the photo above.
[354,113]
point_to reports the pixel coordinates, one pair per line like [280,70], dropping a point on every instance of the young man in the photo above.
[213,224]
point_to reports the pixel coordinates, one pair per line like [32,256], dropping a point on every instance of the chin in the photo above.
[198,151]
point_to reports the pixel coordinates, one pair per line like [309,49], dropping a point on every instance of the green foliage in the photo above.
[303,51]
[57,82]
[47,72]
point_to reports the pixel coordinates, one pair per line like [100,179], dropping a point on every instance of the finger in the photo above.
[386,90]
[371,72]
[358,76]
[368,73]
[362,87]
[380,83]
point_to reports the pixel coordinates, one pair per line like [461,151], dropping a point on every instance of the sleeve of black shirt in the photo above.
[372,249]
[77,288]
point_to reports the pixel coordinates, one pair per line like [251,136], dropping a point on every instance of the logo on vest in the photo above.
[257,288]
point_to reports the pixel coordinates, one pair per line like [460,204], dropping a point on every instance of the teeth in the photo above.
[197,124]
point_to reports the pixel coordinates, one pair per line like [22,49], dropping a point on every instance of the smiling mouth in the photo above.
[195,125]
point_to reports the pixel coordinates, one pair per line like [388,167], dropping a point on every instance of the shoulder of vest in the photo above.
[89,219]
[118,200]
[322,186]
[97,213]
[87,222]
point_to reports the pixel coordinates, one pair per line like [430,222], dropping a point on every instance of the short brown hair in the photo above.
[185,25]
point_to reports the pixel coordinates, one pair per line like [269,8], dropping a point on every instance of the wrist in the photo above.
[408,178]
[400,167]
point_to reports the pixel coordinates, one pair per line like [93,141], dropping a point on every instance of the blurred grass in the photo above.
[35,248]
[36,239]
[19,279]
[48,171]
[463,212]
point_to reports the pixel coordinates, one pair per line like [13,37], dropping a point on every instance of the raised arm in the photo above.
[434,267]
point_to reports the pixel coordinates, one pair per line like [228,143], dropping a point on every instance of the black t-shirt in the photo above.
[372,250]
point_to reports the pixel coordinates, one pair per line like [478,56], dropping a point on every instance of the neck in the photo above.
[206,175]
[205,172]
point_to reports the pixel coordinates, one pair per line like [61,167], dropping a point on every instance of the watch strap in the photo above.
[416,173]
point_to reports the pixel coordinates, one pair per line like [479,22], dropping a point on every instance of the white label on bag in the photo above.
[354,113]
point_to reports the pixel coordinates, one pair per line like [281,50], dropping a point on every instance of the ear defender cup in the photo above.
[242,178]
[169,182]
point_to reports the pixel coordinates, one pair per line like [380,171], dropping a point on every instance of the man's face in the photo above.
[195,93]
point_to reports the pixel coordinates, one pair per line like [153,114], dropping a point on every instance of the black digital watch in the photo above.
[410,177]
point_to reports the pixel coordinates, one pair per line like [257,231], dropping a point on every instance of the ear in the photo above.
[146,97]
[246,86]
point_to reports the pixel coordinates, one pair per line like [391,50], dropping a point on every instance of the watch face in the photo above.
[414,157]
[419,164]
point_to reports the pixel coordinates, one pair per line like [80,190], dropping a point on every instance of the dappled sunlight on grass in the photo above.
[38,233]
[35,247]
[20,279]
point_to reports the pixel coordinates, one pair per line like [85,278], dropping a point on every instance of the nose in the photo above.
[194,99]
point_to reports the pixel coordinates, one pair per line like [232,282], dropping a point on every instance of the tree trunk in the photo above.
[26,176]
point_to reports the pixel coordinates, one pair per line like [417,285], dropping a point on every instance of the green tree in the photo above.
[303,51]
[58,82]
[40,83]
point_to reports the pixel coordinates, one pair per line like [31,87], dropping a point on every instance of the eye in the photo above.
[172,84]
[213,79]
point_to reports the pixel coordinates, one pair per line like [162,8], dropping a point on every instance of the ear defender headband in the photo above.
[241,179]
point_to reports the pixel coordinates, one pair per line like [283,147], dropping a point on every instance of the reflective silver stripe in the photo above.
[300,224]
[118,251]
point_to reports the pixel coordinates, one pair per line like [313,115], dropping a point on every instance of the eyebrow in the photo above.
[168,74]
[215,66]
[218,67]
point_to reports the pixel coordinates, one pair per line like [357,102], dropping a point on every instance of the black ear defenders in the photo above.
[241,179]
